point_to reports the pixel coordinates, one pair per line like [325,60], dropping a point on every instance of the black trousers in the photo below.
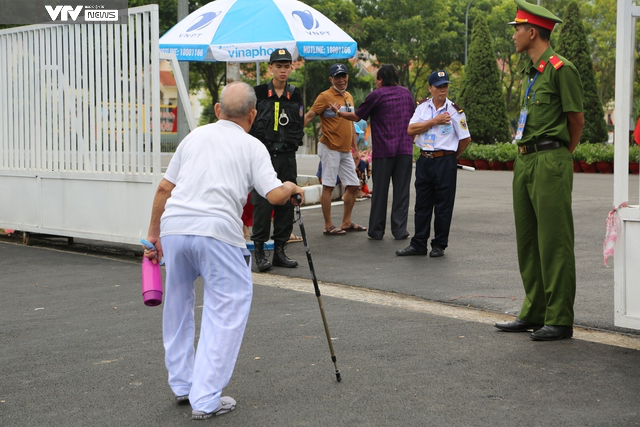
[386,170]
[435,194]
[287,170]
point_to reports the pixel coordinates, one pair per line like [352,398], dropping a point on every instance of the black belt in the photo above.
[541,146]
[435,154]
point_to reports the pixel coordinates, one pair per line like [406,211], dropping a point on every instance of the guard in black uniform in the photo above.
[280,126]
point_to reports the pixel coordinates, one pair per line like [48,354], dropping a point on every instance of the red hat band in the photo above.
[523,17]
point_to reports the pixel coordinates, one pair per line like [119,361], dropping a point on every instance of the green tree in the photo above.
[600,27]
[573,45]
[313,78]
[509,62]
[417,36]
[481,95]
[342,12]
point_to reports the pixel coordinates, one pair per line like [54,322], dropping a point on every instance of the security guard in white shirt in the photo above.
[441,132]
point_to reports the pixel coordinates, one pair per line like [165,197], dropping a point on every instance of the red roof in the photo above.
[166,78]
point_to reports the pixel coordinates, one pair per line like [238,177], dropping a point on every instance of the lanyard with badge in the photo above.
[426,141]
[522,120]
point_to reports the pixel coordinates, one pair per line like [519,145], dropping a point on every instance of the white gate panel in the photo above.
[18,206]
[632,269]
[79,148]
[627,270]
[71,206]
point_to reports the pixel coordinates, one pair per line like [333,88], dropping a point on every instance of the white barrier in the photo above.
[79,149]
[627,248]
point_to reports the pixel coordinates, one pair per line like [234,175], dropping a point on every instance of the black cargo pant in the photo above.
[286,168]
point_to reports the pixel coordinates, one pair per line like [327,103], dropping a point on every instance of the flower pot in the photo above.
[509,164]
[465,162]
[481,164]
[604,167]
[495,165]
[634,167]
[588,167]
[576,166]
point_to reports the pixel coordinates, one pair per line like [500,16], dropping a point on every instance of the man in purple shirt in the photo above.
[389,108]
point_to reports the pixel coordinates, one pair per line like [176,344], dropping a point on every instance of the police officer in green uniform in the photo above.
[549,129]
[279,124]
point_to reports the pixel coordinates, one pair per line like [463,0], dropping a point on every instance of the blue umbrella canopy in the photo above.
[249,30]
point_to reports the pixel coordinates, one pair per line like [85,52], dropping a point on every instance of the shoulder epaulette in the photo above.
[422,100]
[457,107]
[556,62]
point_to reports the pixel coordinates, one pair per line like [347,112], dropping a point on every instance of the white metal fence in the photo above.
[79,146]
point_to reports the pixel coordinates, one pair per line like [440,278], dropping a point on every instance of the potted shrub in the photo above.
[480,152]
[604,158]
[507,153]
[585,153]
[465,158]
[634,157]
[578,157]
[493,157]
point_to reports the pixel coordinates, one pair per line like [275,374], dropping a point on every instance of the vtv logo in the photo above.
[63,11]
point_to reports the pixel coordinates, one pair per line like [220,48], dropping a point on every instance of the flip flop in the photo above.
[355,227]
[333,231]
[294,238]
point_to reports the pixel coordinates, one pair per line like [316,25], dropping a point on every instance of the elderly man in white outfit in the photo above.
[196,224]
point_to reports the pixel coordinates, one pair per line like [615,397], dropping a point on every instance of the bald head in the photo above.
[237,104]
[237,100]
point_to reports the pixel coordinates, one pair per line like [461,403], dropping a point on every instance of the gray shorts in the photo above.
[337,163]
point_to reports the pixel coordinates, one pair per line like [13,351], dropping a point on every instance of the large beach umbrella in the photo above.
[249,30]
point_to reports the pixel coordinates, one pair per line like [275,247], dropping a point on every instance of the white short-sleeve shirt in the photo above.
[214,169]
[444,139]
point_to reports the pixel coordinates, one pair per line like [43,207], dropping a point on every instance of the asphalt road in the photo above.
[413,336]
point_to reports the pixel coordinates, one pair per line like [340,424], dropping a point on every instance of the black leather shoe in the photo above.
[409,251]
[518,326]
[552,333]
[436,252]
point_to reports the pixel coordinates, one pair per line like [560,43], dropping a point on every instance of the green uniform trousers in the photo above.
[542,185]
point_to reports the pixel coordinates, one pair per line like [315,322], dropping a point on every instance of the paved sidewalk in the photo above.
[413,337]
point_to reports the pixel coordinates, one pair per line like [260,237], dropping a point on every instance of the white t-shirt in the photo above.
[447,137]
[214,169]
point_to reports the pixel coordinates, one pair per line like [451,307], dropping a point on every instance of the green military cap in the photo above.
[533,14]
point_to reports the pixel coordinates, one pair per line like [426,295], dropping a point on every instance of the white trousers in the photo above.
[228,289]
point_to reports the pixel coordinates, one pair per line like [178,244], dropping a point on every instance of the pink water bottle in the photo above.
[151,280]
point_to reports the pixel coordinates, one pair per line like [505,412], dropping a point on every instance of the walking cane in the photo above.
[315,284]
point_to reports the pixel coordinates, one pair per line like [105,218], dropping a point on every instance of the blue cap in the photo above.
[338,69]
[438,78]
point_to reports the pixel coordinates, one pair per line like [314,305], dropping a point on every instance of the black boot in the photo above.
[261,260]
[280,258]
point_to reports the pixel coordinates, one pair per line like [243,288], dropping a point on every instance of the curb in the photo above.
[313,189]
